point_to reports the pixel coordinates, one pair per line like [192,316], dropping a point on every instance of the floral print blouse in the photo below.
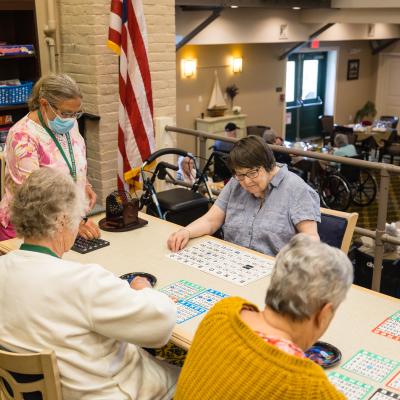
[30,147]
[282,344]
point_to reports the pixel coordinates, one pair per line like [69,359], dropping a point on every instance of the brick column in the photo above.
[85,56]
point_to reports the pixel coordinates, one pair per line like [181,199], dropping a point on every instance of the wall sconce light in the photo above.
[188,68]
[237,65]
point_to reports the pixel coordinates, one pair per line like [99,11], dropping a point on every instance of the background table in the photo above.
[145,250]
[377,135]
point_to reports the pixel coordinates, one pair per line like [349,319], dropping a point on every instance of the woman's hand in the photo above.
[139,283]
[91,195]
[89,230]
[209,223]
[178,240]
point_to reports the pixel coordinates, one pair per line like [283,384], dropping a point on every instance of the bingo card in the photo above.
[186,311]
[182,290]
[192,299]
[394,383]
[370,365]
[390,327]
[382,394]
[351,388]
[225,262]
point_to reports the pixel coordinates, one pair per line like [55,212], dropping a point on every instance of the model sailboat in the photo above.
[217,104]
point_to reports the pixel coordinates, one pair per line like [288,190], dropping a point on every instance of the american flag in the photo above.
[127,37]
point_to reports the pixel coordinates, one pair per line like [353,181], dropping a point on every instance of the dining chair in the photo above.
[256,130]
[391,147]
[336,228]
[327,128]
[29,376]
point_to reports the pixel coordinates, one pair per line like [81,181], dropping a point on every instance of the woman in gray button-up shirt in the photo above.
[262,208]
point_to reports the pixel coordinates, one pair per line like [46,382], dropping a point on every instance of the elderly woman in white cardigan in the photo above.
[94,321]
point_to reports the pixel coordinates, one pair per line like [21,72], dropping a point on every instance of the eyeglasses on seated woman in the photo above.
[262,208]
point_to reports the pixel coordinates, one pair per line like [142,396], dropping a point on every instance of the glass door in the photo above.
[305,92]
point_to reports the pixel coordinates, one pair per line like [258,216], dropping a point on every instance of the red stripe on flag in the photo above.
[140,52]
[116,7]
[136,121]
[114,36]
[128,98]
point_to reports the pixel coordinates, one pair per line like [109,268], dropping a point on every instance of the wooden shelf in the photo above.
[14,107]
[18,56]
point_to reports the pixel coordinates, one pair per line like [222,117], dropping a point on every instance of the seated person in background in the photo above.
[279,141]
[270,137]
[187,171]
[230,132]
[343,148]
[261,208]
[94,321]
[241,353]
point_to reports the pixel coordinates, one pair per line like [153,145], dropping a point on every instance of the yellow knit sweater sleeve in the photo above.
[227,360]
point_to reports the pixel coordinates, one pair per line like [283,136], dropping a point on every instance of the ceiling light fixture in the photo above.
[296,8]
[234,6]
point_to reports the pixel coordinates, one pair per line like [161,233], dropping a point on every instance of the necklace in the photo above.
[72,168]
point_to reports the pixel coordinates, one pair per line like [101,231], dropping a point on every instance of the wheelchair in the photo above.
[339,188]
[178,205]
[221,171]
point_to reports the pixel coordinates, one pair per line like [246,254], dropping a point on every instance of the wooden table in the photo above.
[145,250]
[377,135]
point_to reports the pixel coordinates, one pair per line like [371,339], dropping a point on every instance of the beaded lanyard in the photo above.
[72,168]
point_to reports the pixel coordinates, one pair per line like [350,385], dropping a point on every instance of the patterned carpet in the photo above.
[368,216]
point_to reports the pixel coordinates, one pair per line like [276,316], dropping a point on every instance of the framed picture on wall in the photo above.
[353,69]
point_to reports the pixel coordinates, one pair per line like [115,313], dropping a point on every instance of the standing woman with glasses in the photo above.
[262,207]
[48,136]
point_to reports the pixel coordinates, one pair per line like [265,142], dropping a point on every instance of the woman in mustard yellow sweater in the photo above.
[241,353]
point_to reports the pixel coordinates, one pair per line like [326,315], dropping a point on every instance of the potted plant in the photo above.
[366,113]
[232,91]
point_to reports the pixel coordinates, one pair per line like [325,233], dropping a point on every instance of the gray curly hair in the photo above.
[55,88]
[46,196]
[307,275]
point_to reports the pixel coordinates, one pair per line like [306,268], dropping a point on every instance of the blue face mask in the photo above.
[61,125]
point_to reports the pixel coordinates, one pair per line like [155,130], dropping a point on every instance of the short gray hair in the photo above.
[269,136]
[341,140]
[55,88]
[306,276]
[46,196]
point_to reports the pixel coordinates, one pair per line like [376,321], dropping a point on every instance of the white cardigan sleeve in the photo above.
[143,317]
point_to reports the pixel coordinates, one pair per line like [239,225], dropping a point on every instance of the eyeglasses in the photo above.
[253,173]
[66,114]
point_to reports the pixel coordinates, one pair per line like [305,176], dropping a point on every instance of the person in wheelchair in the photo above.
[262,208]
[187,171]
[342,146]
[230,132]
[270,137]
